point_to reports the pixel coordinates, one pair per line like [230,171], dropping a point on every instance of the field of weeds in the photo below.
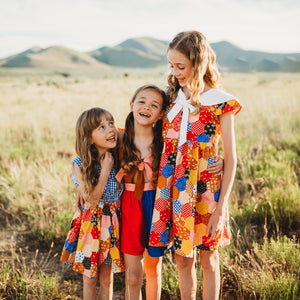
[38,115]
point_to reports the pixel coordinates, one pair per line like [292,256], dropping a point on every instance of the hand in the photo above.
[79,202]
[106,162]
[217,167]
[215,224]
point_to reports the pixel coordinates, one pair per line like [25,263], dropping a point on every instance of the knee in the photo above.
[152,268]
[184,263]
[209,260]
[89,283]
[106,281]
[134,278]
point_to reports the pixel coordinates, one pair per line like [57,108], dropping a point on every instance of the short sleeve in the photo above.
[76,161]
[228,106]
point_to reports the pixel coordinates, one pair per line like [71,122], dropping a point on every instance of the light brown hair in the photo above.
[196,48]
[86,123]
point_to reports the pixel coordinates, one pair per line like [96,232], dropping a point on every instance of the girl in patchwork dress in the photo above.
[92,244]
[140,157]
[191,204]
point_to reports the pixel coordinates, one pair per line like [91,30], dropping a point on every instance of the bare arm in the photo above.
[106,163]
[216,220]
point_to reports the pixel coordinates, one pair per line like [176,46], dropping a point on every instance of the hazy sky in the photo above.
[84,25]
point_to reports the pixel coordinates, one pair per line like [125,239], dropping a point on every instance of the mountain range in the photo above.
[146,52]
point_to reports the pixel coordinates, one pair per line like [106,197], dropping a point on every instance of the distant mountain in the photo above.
[236,59]
[148,52]
[50,58]
[136,53]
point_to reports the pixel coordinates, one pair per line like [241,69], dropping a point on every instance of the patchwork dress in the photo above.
[93,238]
[187,194]
[137,205]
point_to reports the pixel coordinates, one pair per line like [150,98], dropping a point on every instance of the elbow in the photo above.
[230,162]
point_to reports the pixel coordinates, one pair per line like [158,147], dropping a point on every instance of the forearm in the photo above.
[230,160]
[99,188]
[227,181]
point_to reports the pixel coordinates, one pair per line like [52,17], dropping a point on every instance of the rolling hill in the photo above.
[137,53]
[146,52]
[51,58]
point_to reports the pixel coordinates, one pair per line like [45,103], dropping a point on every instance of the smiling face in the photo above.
[147,107]
[181,67]
[104,137]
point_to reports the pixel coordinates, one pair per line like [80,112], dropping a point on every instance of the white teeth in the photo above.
[111,139]
[144,115]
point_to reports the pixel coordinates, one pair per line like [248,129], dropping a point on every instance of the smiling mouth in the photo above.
[111,139]
[144,115]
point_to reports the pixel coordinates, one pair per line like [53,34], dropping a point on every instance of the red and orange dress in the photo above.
[93,238]
[187,194]
[137,205]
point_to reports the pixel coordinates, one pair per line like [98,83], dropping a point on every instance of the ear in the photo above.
[131,106]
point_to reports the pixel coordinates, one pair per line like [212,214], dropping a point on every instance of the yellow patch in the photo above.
[203,145]
[193,176]
[202,208]
[189,223]
[87,226]
[202,165]
[80,245]
[114,253]
[187,246]
[95,245]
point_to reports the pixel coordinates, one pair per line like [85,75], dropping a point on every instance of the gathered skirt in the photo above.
[93,239]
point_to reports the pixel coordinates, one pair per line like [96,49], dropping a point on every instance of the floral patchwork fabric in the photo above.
[94,237]
[187,194]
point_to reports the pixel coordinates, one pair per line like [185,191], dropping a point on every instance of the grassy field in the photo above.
[38,115]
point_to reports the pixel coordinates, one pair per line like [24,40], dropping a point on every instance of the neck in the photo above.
[143,134]
[101,152]
[187,92]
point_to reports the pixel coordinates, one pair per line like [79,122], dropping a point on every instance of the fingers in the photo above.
[217,167]
[214,234]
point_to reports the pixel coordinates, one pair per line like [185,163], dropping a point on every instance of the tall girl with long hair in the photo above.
[192,204]
[140,157]
[92,244]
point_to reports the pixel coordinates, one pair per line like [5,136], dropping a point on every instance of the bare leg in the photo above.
[187,276]
[211,274]
[133,277]
[152,267]
[106,282]
[89,288]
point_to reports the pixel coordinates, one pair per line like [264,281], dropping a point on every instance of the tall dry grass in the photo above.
[38,115]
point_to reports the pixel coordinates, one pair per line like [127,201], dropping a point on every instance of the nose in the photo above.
[146,106]
[175,71]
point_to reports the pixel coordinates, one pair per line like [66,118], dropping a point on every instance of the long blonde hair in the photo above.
[86,123]
[196,48]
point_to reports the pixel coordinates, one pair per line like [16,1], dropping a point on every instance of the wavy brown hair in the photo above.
[196,48]
[131,153]
[90,160]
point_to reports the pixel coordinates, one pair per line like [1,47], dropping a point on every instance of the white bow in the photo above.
[185,105]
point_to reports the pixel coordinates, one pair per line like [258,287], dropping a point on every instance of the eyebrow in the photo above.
[106,120]
[177,63]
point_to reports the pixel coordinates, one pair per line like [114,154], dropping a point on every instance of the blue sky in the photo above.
[84,25]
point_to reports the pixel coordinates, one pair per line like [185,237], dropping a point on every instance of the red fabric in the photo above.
[132,224]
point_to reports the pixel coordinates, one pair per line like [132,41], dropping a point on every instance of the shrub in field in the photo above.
[267,271]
